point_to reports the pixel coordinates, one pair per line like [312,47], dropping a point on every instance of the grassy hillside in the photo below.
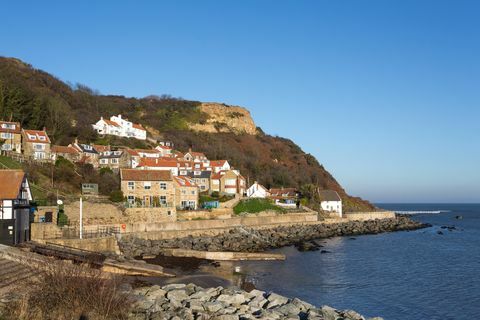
[38,99]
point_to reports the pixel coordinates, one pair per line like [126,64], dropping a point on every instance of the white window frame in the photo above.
[163,186]
[131,185]
[147,185]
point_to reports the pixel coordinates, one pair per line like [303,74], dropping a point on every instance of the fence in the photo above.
[74,233]
[22,158]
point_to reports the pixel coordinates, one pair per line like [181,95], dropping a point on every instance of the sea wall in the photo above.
[244,239]
[373,215]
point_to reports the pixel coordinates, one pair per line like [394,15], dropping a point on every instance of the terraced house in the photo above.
[228,182]
[10,136]
[36,144]
[148,188]
[186,195]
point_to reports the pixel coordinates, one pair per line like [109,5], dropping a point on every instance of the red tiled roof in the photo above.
[100,148]
[283,192]
[164,147]
[37,134]
[185,182]
[17,129]
[154,162]
[111,123]
[64,149]
[132,152]
[145,175]
[10,183]
[217,163]
[138,126]
[216,176]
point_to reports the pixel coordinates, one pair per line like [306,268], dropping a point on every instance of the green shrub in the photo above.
[62,218]
[116,196]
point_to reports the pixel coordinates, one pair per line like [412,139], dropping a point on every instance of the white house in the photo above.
[330,201]
[256,190]
[219,165]
[15,197]
[118,126]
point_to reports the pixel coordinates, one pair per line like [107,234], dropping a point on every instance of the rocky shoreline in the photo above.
[258,240]
[190,302]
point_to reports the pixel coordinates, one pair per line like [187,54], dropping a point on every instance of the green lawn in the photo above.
[256,205]
[9,163]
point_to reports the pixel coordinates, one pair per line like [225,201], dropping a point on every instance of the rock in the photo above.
[439,232]
[289,309]
[330,313]
[275,300]
[235,299]
[459,217]
[213,306]
[352,315]
[325,251]
[174,286]
[177,295]
[258,302]
[226,317]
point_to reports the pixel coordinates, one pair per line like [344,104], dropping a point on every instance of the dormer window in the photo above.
[42,138]
[8,126]
[32,137]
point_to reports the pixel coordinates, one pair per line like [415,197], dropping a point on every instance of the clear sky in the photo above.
[386,94]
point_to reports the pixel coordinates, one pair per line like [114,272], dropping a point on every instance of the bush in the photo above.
[256,205]
[62,218]
[116,196]
[64,291]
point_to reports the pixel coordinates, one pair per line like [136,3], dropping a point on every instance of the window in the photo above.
[193,192]
[38,147]
[163,186]
[31,137]
[147,185]
[163,199]
[103,161]
[197,173]
[8,126]
[114,161]
[131,185]
[184,192]
[42,138]
[230,182]
[6,146]
[6,135]
[202,187]
[131,199]
[215,182]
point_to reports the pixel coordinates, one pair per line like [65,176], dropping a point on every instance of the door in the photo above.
[7,232]
[48,216]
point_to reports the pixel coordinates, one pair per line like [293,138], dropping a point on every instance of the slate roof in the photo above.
[204,174]
[329,195]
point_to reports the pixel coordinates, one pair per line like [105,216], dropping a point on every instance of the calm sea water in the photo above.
[401,275]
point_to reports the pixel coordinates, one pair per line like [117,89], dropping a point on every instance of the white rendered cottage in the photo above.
[330,201]
[118,126]
[256,190]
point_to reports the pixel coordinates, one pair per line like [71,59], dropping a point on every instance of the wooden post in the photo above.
[81,218]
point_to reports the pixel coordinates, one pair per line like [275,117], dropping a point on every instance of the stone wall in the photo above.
[104,244]
[150,215]
[374,215]
[40,231]
[205,214]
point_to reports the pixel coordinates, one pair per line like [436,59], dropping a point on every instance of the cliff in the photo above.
[225,118]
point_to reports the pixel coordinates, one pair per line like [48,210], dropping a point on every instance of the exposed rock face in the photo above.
[193,302]
[224,118]
[251,240]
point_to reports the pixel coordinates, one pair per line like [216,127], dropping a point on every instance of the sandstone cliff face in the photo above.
[224,118]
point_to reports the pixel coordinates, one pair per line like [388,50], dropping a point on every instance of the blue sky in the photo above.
[386,94]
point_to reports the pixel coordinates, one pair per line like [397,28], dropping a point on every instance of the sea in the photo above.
[431,273]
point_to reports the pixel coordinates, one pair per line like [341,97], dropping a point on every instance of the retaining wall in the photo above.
[374,215]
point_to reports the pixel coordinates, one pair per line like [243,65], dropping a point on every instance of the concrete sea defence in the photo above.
[189,302]
[243,239]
